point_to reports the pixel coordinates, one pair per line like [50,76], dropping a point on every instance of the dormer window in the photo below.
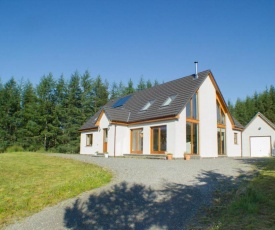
[147,106]
[169,100]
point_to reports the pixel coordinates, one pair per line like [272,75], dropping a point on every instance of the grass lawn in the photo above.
[31,181]
[252,206]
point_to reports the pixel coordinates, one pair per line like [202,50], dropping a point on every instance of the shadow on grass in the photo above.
[135,206]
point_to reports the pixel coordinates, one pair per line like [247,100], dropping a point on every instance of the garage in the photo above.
[258,138]
[260,146]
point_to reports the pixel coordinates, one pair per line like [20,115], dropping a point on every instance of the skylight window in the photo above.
[120,102]
[148,104]
[169,100]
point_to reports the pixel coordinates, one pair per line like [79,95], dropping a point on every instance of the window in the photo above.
[148,104]
[235,138]
[120,102]
[136,140]
[221,129]
[158,139]
[169,100]
[192,138]
[221,141]
[220,115]
[192,126]
[192,108]
[89,139]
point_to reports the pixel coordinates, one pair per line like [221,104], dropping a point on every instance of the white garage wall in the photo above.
[257,127]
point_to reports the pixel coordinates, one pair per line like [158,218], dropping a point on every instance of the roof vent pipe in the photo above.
[196,70]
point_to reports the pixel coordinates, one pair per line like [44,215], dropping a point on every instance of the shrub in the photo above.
[14,148]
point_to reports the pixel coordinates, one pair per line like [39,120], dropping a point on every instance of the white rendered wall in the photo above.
[170,128]
[89,149]
[179,140]
[232,149]
[97,138]
[208,120]
[122,140]
[253,130]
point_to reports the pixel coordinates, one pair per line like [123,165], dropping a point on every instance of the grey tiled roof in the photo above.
[184,88]
[237,123]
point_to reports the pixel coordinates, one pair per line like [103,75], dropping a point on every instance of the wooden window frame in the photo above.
[236,138]
[90,140]
[192,132]
[131,139]
[159,138]
[191,118]
[192,121]
[221,111]
[225,150]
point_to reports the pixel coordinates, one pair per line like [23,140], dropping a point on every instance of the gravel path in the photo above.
[145,194]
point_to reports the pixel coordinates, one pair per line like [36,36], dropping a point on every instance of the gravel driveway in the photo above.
[145,194]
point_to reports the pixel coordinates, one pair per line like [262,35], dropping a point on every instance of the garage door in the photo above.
[260,146]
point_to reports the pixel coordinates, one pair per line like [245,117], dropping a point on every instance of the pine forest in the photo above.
[47,117]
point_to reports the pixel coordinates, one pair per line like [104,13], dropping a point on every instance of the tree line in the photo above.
[47,117]
[245,110]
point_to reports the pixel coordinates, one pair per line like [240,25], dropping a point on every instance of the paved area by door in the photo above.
[145,194]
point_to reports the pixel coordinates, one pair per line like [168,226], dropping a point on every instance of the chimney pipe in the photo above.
[196,70]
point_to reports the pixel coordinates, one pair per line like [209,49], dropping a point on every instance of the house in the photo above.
[258,137]
[187,115]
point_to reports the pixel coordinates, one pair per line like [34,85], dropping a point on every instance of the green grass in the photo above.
[250,207]
[31,181]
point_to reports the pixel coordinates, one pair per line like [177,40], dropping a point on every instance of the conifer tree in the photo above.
[29,133]
[46,109]
[114,93]
[148,84]
[74,118]
[130,88]
[10,109]
[87,95]
[141,85]
[100,93]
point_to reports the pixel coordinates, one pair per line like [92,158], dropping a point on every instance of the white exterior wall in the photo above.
[122,140]
[253,130]
[208,120]
[176,131]
[179,141]
[232,149]
[89,149]
[208,124]
[97,138]
[170,128]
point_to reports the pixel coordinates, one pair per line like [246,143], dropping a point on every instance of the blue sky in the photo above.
[125,39]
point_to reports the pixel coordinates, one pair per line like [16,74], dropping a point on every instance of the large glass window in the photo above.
[221,141]
[159,139]
[192,108]
[192,138]
[221,130]
[220,115]
[137,140]
[192,126]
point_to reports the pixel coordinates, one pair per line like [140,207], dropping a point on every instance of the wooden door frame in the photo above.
[131,139]
[159,137]
[105,143]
